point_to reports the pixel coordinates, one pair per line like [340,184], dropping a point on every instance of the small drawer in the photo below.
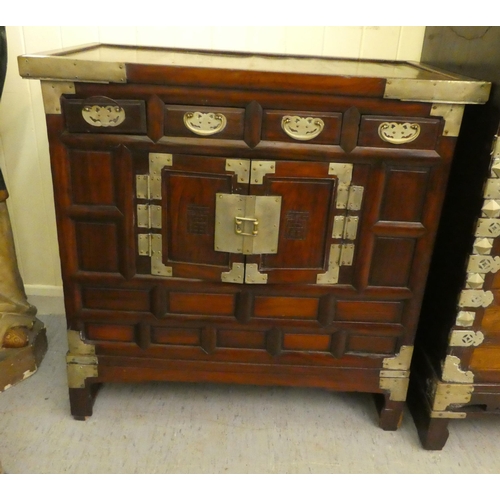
[204,122]
[101,115]
[399,132]
[301,126]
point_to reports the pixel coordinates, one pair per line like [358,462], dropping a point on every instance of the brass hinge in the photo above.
[149,216]
[345,227]
[148,187]
[340,255]
[150,245]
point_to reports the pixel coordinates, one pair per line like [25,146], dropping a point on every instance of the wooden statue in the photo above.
[23,342]
[17,316]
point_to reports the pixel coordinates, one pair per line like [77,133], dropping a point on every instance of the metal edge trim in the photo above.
[438,91]
[47,67]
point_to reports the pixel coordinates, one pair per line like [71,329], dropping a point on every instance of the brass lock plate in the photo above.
[247,224]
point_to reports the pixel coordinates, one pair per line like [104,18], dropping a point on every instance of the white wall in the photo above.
[24,157]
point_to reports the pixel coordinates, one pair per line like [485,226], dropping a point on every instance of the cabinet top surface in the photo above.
[129,64]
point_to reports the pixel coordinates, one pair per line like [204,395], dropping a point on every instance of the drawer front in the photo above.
[302,127]
[278,346]
[204,122]
[399,132]
[101,115]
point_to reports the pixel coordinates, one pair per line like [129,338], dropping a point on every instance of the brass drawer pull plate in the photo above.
[398,133]
[103,112]
[205,124]
[302,129]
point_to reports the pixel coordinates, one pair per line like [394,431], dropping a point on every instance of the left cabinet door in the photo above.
[175,216]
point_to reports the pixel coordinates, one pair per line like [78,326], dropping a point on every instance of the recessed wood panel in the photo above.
[176,336]
[117,333]
[116,300]
[198,303]
[97,246]
[404,196]
[134,112]
[391,261]
[286,307]
[273,131]
[306,342]
[175,126]
[485,358]
[190,216]
[305,221]
[426,139]
[364,311]
[241,339]
[92,180]
[491,321]
[371,344]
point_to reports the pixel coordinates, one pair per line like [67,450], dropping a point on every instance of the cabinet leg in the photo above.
[82,401]
[390,412]
[434,434]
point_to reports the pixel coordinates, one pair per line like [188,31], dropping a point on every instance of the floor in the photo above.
[166,428]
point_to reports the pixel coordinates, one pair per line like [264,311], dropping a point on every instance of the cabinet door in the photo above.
[247,221]
[318,220]
[176,215]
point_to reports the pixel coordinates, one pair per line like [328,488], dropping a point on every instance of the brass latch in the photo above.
[239,226]
[247,225]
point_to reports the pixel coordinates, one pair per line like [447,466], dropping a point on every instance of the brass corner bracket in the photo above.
[395,376]
[81,361]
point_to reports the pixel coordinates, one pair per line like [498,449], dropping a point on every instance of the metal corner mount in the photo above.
[395,375]
[401,361]
[396,386]
[53,67]
[443,395]
[51,95]
[438,91]
[453,373]
[81,361]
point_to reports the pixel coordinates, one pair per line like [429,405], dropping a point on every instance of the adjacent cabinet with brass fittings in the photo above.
[267,225]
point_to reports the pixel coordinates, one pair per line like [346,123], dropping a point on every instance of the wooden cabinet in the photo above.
[246,218]
[456,369]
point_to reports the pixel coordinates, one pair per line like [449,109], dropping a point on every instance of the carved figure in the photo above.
[17,316]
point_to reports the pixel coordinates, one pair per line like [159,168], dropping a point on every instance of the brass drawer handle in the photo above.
[103,112]
[302,129]
[238,228]
[398,133]
[205,123]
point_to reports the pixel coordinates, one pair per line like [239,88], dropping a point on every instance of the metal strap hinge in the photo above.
[149,216]
[148,186]
[244,273]
[150,245]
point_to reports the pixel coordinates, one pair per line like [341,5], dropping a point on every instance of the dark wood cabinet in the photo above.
[246,218]
[456,369]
